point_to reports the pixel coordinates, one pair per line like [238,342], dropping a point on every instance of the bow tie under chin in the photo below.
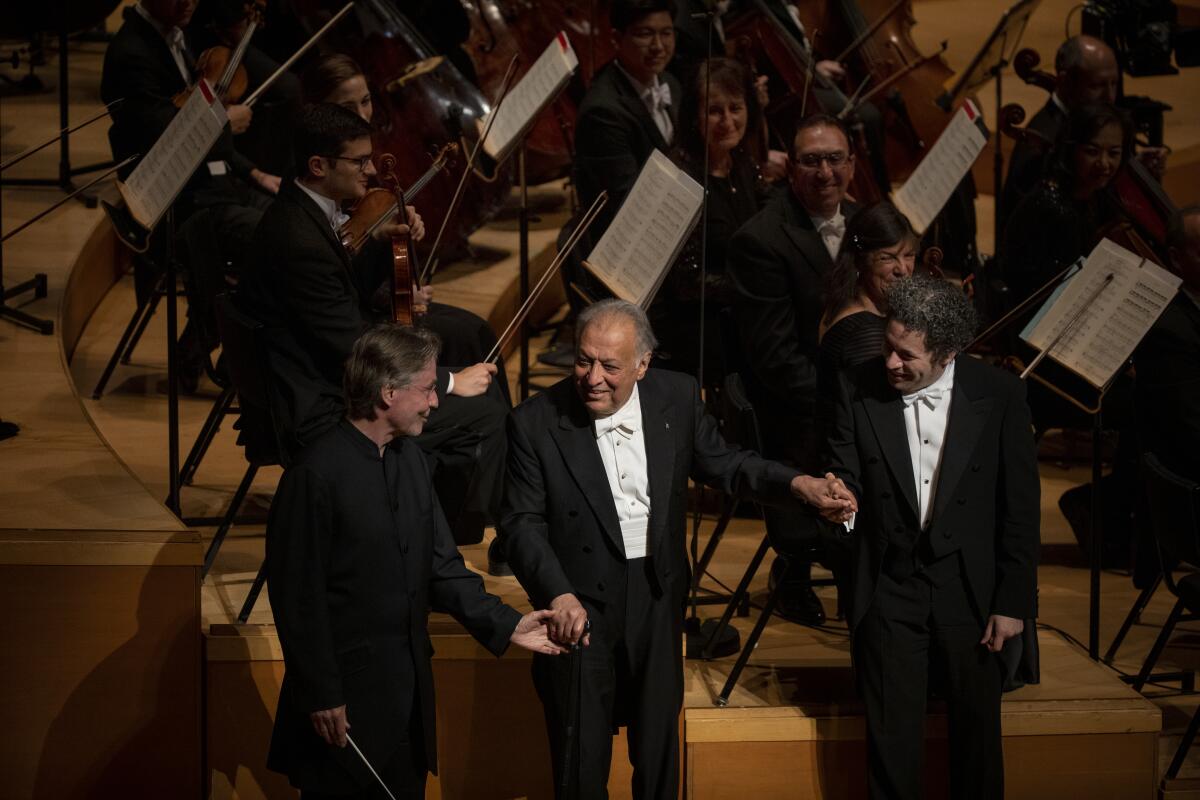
[608,425]
[928,397]
[661,95]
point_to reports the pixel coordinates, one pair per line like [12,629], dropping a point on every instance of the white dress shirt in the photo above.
[174,39]
[330,207]
[657,99]
[925,416]
[831,231]
[623,451]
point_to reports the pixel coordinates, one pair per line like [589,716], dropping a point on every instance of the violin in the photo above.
[222,66]
[376,208]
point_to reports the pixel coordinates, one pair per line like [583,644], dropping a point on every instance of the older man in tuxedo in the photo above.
[594,521]
[778,262]
[939,449]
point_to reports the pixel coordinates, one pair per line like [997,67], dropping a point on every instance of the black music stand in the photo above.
[995,54]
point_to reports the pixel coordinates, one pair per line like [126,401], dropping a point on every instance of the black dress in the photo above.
[852,340]
[675,312]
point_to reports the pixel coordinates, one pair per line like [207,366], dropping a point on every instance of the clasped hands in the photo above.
[828,495]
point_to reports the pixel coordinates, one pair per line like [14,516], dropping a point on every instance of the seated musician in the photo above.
[778,263]
[630,108]
[146,65]
[1167,383]
[723,125]
[466,338]
[1064,216]
[302,289]
[1085,73]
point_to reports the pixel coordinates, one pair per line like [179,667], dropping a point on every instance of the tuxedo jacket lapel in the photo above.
[634,105]
[576,440]
[296,195]
[968,415]
[887,420]
[657,418]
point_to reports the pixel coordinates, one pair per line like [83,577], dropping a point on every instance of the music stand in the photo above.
[995,54]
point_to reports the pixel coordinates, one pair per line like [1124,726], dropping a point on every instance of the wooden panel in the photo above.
[101,674]
[100,265]
[82,548]
[1098,767]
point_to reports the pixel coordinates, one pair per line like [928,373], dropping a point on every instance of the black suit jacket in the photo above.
[986,503]
[140,71]
[558,519]
[779,265]
[1167,387]
[1028,163]
[614,136]
[358,552]
[303,286]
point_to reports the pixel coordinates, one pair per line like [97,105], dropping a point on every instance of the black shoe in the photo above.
[796,600]
[498,560]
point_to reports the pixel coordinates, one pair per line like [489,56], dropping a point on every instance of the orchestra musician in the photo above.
[303,288]
[1065,215]
[466,338]
[779,262]
[358,553]
[594,523]
[939,450]
[147,64]
[1085,73]
[719,128]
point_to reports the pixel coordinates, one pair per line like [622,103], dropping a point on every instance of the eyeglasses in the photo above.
[834,160]
[362,161]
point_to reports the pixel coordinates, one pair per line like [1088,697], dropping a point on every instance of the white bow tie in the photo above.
[625,427]
[831,227]
[929,397]
[660,94]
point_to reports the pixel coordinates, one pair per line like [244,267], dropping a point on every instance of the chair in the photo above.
[250,374]
[742,427]
[1175,517]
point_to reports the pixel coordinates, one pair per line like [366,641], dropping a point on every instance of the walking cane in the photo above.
[568,789]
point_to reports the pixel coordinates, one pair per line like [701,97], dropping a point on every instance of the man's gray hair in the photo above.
[613,308]
[385,355]
[935,308]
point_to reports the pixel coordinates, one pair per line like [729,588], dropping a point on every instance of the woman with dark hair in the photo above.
[879,248]
[1063,218]
[718,126]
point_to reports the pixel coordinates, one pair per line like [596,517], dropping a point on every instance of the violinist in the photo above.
[466,338]
[778,262]
[630,108]
[1085,73]
[1064,216]
[304,291]
[147,64]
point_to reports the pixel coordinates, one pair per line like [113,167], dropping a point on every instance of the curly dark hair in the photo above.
[727,75]
[935,308]
[880,226]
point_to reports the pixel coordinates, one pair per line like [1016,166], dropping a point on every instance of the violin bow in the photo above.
[64,132]
[304,48]
[870,31]
[808,76]
[519,318]
[431,263]
[75,193]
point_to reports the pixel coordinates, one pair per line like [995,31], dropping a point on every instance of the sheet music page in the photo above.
[933,181]
[1113,323]
[162,173]
[649,230]
[536,90]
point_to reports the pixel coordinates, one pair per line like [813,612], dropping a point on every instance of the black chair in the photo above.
[1175,516]
[742,427]
[248,364]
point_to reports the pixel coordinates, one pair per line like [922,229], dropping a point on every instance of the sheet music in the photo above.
[649,230]
[1114,322]
[922,197]
[536,90]
[162,173]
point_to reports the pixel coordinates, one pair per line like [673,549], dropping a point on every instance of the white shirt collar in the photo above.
[167,33]
[647,91]
[838,219]
[935,392]
[329,207]
[627,419]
